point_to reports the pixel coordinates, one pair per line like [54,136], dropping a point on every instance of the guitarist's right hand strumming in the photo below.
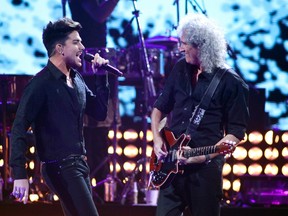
[159,123]
[160,149]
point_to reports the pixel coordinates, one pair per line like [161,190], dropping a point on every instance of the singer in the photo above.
[54,103]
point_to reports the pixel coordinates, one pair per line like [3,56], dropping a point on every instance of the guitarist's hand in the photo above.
[160,148]
[230,148]
[183,161]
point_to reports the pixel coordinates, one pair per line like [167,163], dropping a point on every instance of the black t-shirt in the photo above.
[227,112]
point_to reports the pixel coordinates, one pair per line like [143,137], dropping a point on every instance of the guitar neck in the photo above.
[200,151]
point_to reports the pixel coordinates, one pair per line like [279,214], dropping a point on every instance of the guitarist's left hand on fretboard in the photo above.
[183,158]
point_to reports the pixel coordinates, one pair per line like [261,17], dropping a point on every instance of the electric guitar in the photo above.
[163,171]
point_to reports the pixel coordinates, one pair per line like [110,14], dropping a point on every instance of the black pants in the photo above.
[69,180]
[199,189]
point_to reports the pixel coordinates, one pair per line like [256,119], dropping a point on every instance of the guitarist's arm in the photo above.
[229,138]
[159,145]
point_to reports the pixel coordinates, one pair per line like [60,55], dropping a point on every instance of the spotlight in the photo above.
[31,165]
[271,169]
[285,169]
[149,135]
[255,137]
[130,151]
[239,169]
[255,169]
[285,152]
[269,137]
[118,167]
[55,197]
[240,153]
[33,197]
[118,150]
[255,153]
[271,153]
[226,169]
[32,150]
[129,166]
[111,135]
[236,185]
[149,150]
[284,137]
[226,184]
[130,135]
[93,182]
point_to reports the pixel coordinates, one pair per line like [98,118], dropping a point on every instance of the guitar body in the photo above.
[163,171]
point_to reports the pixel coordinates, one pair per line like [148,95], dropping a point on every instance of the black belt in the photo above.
[68,158]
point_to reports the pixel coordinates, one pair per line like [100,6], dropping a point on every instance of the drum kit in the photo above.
[162,54]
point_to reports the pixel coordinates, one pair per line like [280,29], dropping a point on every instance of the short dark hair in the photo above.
[57,32]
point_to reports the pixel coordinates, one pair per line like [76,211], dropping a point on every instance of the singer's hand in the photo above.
[21,190]
[97,62]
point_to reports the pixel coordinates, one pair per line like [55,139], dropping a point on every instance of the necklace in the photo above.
[69,82]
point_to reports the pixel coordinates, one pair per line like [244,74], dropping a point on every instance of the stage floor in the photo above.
[45,209]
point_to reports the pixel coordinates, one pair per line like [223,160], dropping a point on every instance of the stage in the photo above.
[45,209]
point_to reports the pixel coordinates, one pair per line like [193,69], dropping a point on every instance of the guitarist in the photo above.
[200,186]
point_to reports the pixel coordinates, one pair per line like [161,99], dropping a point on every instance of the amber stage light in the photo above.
[261,154]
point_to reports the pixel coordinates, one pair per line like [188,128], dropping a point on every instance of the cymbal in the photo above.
[148,46]
[168,42]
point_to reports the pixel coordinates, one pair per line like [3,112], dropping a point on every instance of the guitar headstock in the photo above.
[227,147]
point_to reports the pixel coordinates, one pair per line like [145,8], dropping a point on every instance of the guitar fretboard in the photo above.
[199,151]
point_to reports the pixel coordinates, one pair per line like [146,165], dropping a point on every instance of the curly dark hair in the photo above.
[57,32]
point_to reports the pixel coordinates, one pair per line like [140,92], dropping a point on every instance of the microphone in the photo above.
[89,57]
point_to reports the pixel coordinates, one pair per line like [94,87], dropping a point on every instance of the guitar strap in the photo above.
[200,109]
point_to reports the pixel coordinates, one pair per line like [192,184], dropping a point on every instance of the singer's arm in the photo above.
[99,11]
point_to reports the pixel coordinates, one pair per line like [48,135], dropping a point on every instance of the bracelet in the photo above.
[207,159]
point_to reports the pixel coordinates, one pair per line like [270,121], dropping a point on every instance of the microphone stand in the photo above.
[148,93]
[4,80]
[64,8]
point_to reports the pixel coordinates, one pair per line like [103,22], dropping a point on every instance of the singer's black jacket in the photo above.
[55,112]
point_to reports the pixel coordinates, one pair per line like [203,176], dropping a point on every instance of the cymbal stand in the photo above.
[131,179]
[115,128]
[195,6]
[148,93]
[176,2]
